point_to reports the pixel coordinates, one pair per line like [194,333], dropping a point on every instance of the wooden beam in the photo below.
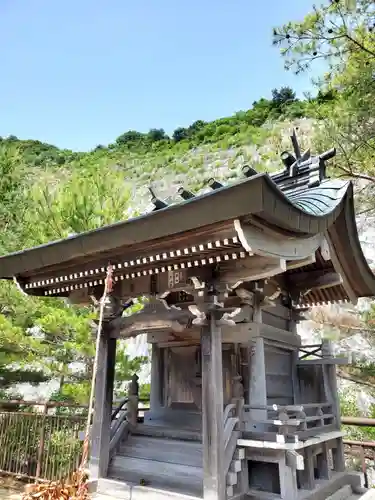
[276,246]
[314,279]
[241,333]
[100,433]
[214,481]
[295,264]
[324,250]
[251,269]
[323,361]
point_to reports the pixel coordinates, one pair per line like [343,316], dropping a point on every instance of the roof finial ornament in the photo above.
[158,204]
[248,171]
[296,148]
[185,193]
[214,184]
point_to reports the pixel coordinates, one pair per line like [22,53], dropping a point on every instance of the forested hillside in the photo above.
[47,193]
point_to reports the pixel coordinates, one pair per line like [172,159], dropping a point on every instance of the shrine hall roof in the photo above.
[299,201]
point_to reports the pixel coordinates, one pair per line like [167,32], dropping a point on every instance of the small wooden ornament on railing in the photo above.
[133,401]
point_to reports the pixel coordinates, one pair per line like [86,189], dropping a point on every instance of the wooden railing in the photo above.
[124,417]
[43,440]
[361,451]
[231,433]
[233,423]
[40,441]
[286,423]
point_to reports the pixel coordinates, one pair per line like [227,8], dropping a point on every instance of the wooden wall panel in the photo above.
[279,382]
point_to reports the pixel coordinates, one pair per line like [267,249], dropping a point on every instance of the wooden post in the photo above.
[258,389]
[41,442]
[214,482]
[307,477]
[331,392]
[155,394]
[101,426]
[133,401]
[288,481]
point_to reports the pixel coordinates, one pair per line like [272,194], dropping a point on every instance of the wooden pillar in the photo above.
[258,389]
[156,376]
[307,475]
[331,393]
[101,425]
[292,326]
[288,481]
[214,482]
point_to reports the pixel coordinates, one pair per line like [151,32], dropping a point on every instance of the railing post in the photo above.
[41,442]
[133,401]
[363,465]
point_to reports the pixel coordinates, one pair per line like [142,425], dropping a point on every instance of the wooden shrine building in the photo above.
[239,409]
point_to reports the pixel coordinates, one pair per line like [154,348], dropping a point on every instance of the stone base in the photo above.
[328,487]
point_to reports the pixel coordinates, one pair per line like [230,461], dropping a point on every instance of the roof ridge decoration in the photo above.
[302,171]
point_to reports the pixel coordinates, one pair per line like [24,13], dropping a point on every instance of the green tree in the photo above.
[180,134]
[343,35]
[285,95]
[132,136]
[335,31]
[20,355]
[156,134]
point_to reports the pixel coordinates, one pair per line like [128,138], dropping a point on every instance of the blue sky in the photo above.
[77,73]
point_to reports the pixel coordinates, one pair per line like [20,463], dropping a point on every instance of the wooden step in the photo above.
[156,474]
[168,433]
[163,450]
[110,489]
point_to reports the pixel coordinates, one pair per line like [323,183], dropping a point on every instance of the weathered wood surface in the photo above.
[120,435]
[179,478]
[279,380]
[163,450]
[156,378]
[258,389]
[111,489]
[101,427]
[168,432]
[323,361]
[160,461]
[336,261]
[271,243]
[212,412]
[241,333]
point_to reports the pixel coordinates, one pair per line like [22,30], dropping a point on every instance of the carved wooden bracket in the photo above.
[155,315]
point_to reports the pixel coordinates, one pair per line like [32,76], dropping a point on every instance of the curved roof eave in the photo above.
[311,211]
[344,239]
